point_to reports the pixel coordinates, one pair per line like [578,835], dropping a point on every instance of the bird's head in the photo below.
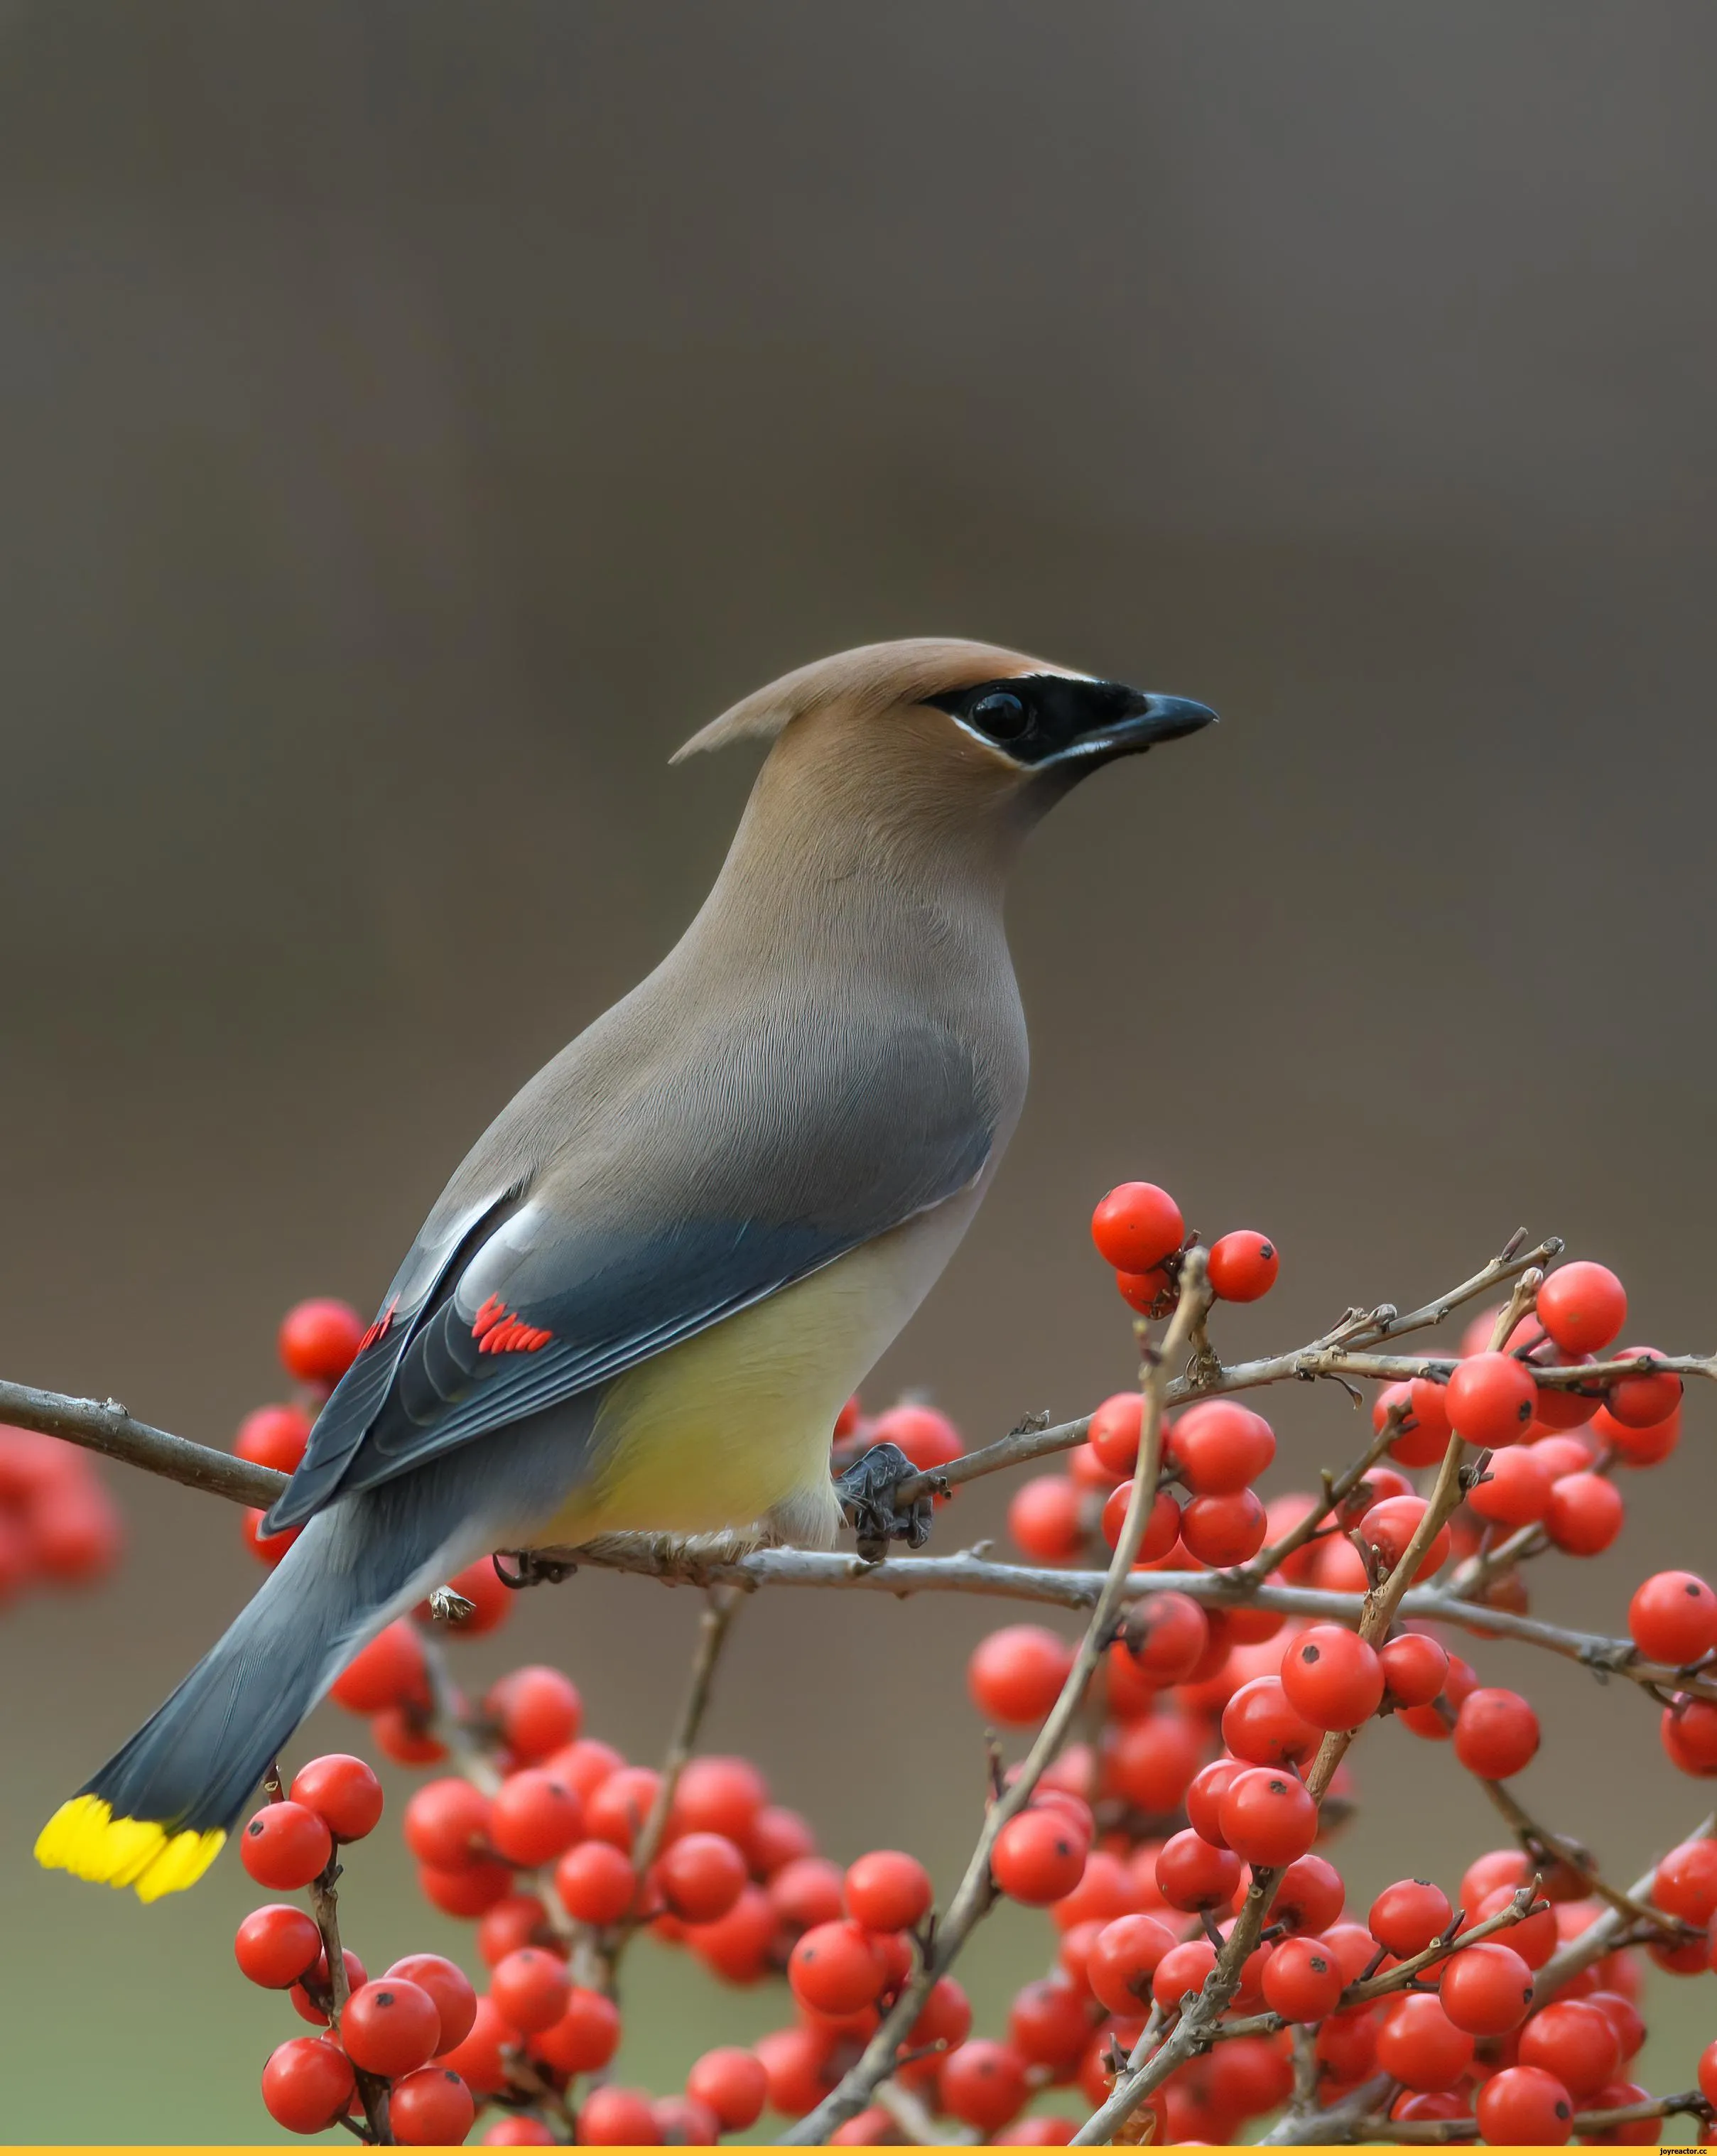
[936,727]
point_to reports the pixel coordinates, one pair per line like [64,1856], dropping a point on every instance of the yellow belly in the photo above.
[735,1425]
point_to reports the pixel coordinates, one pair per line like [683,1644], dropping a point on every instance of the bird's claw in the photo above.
[533,1570]
[866,1491]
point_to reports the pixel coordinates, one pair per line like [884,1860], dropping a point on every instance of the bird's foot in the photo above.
[534,1569]
[866,1491]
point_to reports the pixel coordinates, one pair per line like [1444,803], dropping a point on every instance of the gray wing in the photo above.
[704,1190]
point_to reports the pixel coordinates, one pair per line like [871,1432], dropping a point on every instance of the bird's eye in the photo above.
[1003,716]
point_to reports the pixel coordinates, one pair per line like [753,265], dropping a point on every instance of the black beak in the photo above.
[1144,721]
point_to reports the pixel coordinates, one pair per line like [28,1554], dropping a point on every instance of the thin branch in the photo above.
[325,1906]
[1540,1841]
[719,1612]
[976,1891]
[106,1426]
[1602,1934]
[1433,2133]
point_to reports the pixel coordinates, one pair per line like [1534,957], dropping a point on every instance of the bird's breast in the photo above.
[734,1426]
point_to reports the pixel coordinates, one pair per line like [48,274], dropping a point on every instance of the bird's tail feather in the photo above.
[156,1815]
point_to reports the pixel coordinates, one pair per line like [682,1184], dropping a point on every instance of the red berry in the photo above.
[1486,1989]
[1107,1889]
[431,2108]
[732,2083]
[1637,1403]
[1391,1526]
[307,2084]
[616,1810]
[531,1988]
[471,1890]
[533,1817]
[1182,1969]
[807,1892]
[1585,1514]
[1039,1856]
[887,1891]
[318,1340]
[611,2118]
[776,1836]
[1672,1618]
[1707,2071]
[1515,1490]
[447,1824]
[390,2025]
[719,1794]
[927,1438]
[1049,2025]
[1638,1448]
[1491,1400]
[1166,1635]
[1220,1446]
[1582,1306]
[1534,1938]
[1684,1884]
[1309,1896]
[1162,1530]
[537,1711]
[1204,1798]
[1407,1917]
[1123,1959]
[1114,1431]
[1151,1762]
[596,1882]
[275,1945]
[344,1792]
[701,1875]
[284,1846]
[1192,1875]
[1526,2106]
[1243,1265]
[1332,1677]
[1496,1733]
[1136,1226]
[1268,1817]
[985,2084]
[1016,1675]
[1419,2046]
[1688,1731]
[834,1969]
[1302,1980]
[450,1989]
[1430,1403]
[478,2060]
[521,2130]
[1415,1668]
[389,1672]
[737,1946]
[1575,2041]
[274,1437]
[1047,1518]
[1220,1531]
[402,1734]
[303,2005]
[584,2039]
[1260,1725]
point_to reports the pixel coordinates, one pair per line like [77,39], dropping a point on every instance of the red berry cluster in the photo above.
[58,1525]
[1140,1842]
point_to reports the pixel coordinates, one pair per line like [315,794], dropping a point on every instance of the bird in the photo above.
[650,1288]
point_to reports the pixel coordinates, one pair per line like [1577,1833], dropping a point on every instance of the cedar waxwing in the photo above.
[643,1300]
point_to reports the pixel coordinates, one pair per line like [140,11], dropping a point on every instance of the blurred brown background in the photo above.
[417,419]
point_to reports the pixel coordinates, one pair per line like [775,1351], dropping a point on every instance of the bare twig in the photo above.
[106,1426]
[1540,1841]
[719,1612]
[976,1891]
[1602,1934]
[1433,2133]
[325,1906]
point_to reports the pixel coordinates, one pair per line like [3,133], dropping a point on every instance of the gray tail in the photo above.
[195,1762]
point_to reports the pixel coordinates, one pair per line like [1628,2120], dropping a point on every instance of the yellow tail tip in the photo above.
[84,1838]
